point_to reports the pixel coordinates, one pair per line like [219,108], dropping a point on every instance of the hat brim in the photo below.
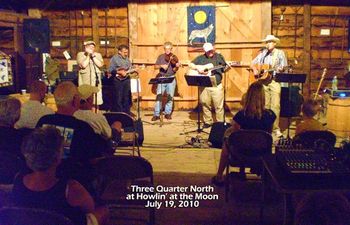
[277,40]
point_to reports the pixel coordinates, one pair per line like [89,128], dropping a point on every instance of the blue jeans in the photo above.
[170,90]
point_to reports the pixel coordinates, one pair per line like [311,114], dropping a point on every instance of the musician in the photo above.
[211,94]
[119,66]
[277,61]
[167,64]
[90,63]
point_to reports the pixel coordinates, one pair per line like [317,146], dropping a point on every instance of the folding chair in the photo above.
[129,136]
[31,216]
[115,175]
[246,148]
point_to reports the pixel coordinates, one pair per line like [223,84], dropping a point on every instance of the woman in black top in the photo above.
[252,116]
[42,150]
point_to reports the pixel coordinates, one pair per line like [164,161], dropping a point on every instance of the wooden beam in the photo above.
[95,33]
[307,46]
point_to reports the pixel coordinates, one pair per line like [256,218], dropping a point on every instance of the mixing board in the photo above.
[298,161]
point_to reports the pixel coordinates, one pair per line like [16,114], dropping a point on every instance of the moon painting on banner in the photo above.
[201,25]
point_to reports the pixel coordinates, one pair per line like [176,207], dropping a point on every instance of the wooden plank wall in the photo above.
[329,52]
[11,42]
[107,27]
[239,28]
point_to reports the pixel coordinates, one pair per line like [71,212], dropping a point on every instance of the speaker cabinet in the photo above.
[36,35]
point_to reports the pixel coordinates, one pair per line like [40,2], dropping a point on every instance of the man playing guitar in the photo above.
[167,64]
[277,62]
[211,94]
[119,67]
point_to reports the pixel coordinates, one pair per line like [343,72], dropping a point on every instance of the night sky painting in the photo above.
[201,25]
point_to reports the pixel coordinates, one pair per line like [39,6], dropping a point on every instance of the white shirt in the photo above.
[31,112]
[97,121]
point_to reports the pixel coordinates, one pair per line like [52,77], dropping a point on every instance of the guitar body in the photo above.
[207,68]
[264,73]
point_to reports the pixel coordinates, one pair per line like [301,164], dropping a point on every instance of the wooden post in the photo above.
[95,33]
[307,47]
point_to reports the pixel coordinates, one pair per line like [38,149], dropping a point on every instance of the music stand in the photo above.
[161,80]
[290,78]
[199,81]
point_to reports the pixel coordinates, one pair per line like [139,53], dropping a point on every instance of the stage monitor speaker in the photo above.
[36,35]
[290,102]
[216,135]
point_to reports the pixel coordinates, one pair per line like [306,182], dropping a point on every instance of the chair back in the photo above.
[124,167]
[310,139]
[31,216]
[248,144]
[10,165]
[125,119]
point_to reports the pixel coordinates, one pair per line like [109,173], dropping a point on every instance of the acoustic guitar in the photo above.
[264,73]
[206,68]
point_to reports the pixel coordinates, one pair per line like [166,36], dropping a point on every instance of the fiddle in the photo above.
[172,60]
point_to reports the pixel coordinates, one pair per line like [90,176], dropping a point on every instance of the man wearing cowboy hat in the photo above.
[90,63]
[277,61]
[209,95]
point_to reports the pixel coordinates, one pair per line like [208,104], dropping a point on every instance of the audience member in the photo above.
[10,138]
[96,120]
[252,116]
[323,208]
[309,109]
[81,142]
[33,109]
[40,188]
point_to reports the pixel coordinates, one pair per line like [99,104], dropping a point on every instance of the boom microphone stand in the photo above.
[97,82]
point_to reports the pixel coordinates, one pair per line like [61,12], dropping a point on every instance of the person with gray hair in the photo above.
[80,141]
[33,109]
[10,138]
[41,188]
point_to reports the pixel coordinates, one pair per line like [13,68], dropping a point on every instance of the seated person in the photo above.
[10,138]
[252,116]
[33,109]
[40,188]
[96,120]
[323,208]
[81,142]
[309,110]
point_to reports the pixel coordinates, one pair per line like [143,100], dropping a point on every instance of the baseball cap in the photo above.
[207,47]
[85,91]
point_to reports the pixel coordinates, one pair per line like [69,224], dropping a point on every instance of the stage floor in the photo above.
[168,149]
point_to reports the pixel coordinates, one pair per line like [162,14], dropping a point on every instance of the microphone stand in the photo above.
[97,81]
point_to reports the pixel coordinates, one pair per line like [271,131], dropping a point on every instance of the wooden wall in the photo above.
[329,52]
[11,43]
[73,27]
[239,28]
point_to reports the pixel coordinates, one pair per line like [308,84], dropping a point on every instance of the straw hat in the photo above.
[89,43]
